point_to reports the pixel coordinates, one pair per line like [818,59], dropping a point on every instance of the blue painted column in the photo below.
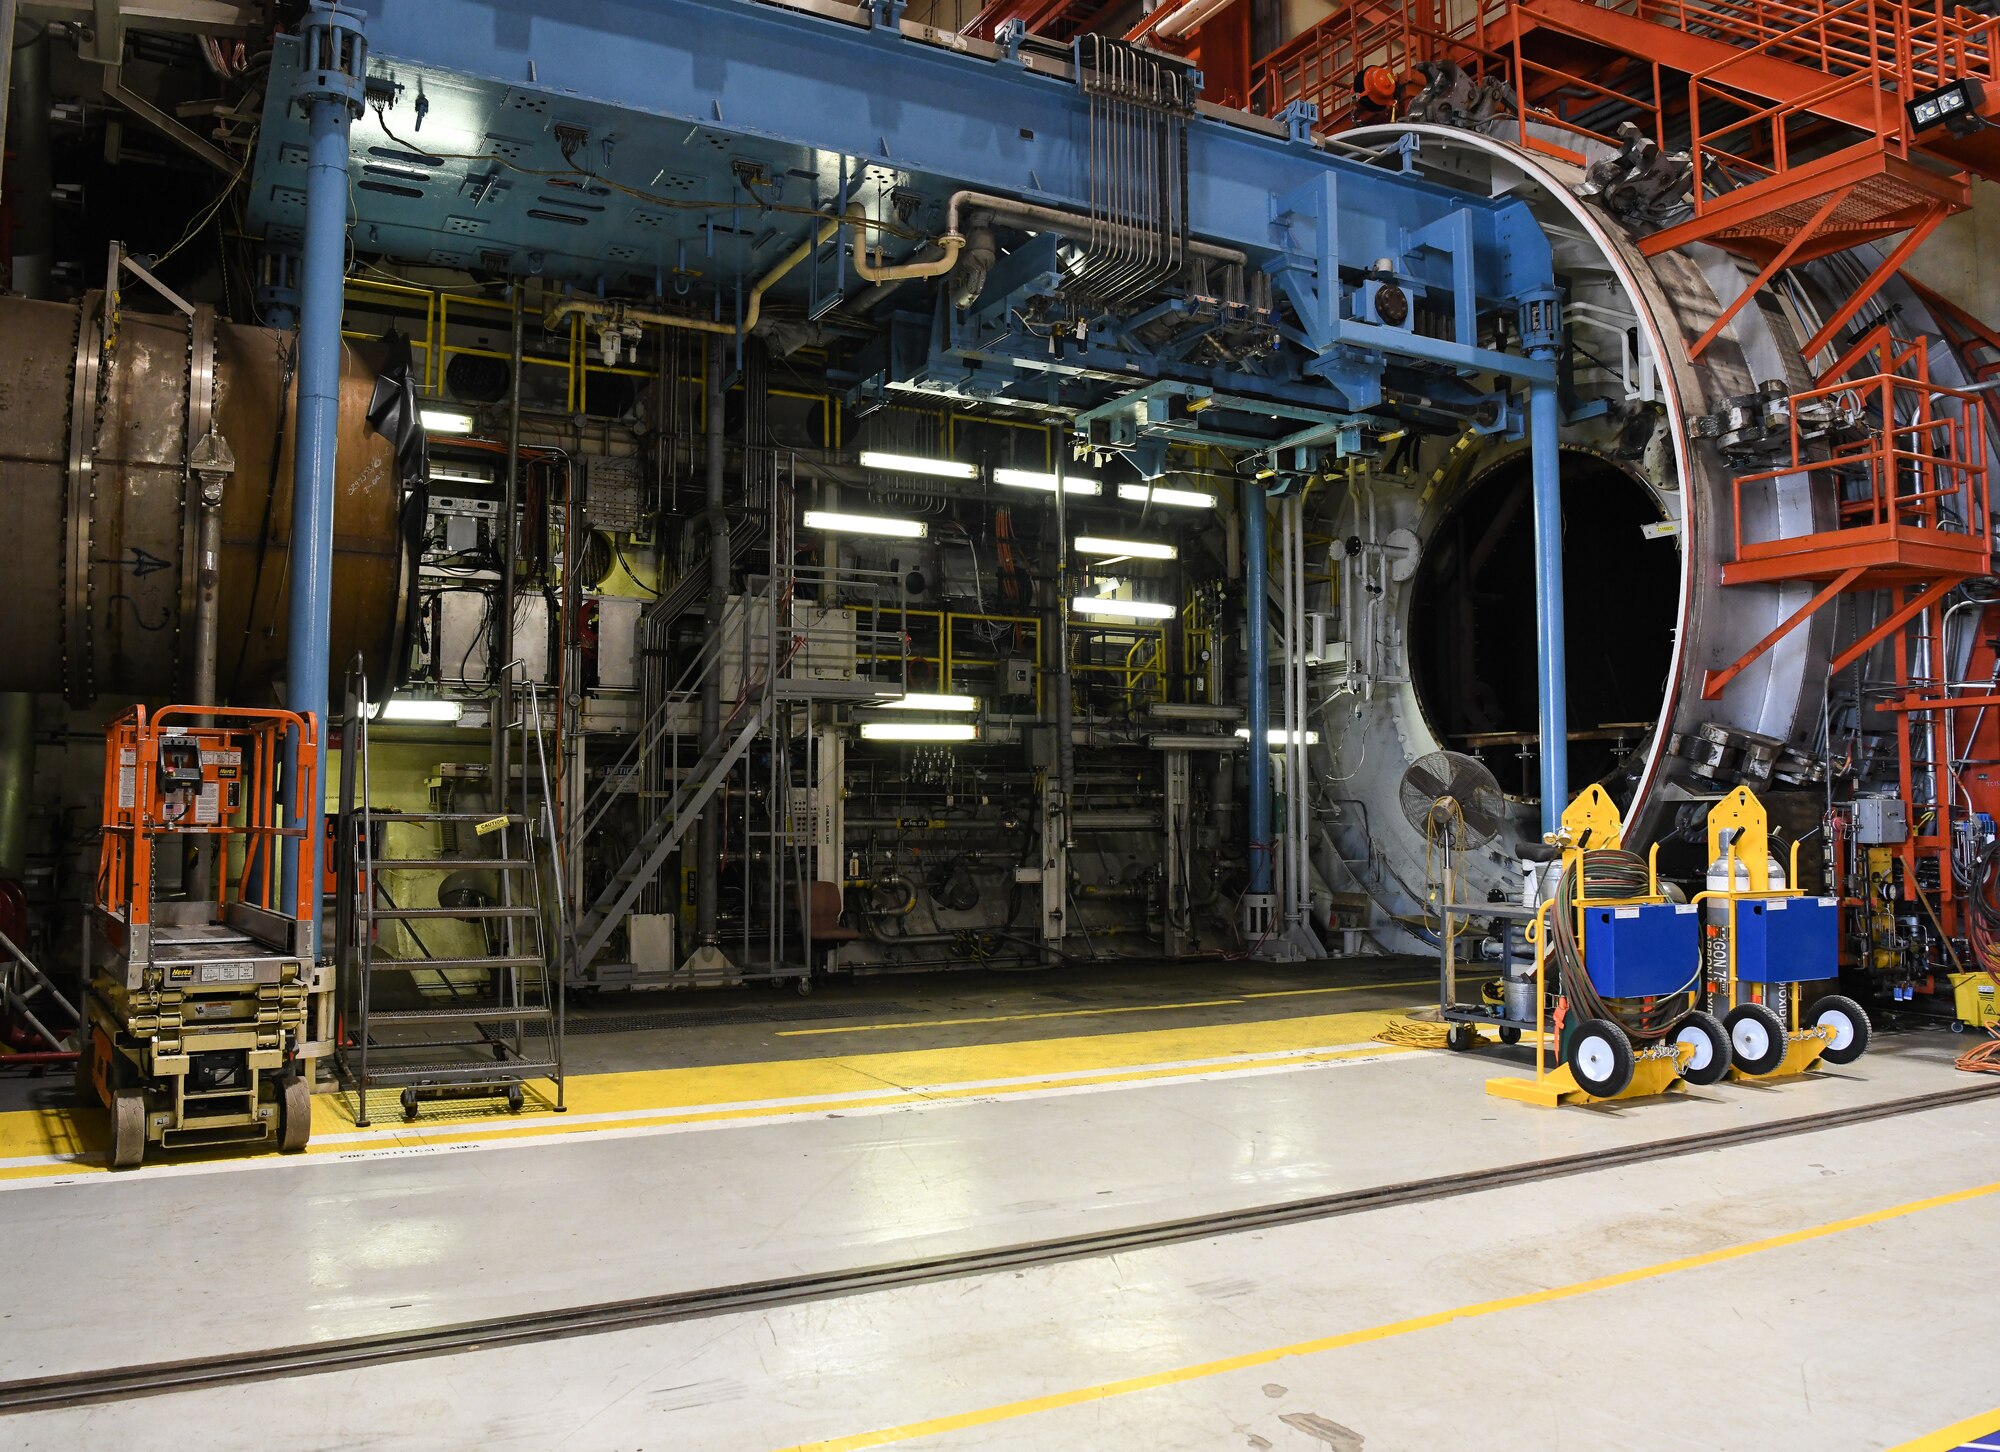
[1541,339]
[1551,652]
[332,64]
[1257,674]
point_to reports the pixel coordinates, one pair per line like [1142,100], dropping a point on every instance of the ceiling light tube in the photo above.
[911,464]
[918,731]
[1277,734]
[445,420]
[918,701]
[417,708]
[1030,479]
[876,524]
[1137,548]
[445,474]
[1155,494]
[1123,609]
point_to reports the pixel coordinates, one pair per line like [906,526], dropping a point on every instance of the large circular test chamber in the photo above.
[1442,648]
[100,481]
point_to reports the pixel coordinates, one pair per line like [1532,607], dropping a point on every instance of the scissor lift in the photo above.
[198,1006]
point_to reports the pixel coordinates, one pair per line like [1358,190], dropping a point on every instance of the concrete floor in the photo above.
[1816,1290]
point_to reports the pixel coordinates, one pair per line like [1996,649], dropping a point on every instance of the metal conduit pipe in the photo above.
[753,310]
[1189,18]
[31,176]
[1032,217]
[707,832]
[1115,821]
[868,271]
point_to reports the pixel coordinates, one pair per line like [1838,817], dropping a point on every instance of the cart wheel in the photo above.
[500,1052]
[1509,1034]
[515,1098]
[1600,1055]
[128,1128]
[409,1102]
[1756,1038]
[1461,1037]
[295,1115]
[1849,1022]
[806,986]
[1957,1027]
[1711,1047]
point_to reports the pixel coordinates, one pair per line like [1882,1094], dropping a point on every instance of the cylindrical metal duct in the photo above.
[30,176]
[103,550]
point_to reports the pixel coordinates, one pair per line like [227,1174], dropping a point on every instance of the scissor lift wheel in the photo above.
[294,1115]
[128,1128]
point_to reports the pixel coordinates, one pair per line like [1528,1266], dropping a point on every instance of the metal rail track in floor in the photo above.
[200,1373]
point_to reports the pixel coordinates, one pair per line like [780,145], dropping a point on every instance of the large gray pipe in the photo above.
[30,177]
[708,834]
[29,186]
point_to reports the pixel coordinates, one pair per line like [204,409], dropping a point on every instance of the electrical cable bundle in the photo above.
[1609,874]
[1981,924]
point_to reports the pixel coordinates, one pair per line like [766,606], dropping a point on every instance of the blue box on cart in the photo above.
[1642,951]
[1787,939]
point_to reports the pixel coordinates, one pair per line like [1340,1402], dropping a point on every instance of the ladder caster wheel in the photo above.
[1710,1042]
[128,1128]
[1756,1038]
[500,1052]
[515,1099]
[1848,1022]
[409,1102]
[1600,1055]
[294,1115]
[1957,1027]
[805,988]
[1460,1037]
[1510,1035]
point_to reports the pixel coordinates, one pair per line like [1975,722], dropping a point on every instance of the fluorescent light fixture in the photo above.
[445,474]
[911,464]
[417,708]
[1276,736]
[445,420]
[1155,494]
[1124,609]
[1137,548]
[1029,479]
[918,701]
[877,524]
[918,731]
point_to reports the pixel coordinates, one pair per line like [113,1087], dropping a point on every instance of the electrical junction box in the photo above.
[1787,939]
[1017,676]
[1880,821]
[1642,951]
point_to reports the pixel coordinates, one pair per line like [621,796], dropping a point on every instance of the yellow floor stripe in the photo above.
[923,1023]
[1008,1411]
[661,1095]
[1972,1429]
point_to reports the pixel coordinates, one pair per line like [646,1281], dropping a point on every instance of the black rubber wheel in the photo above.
[1600,1056]
[1711,1047]
[1849,1022]
[500,1052]
[295,1116]
[515,1098]
[1958,1025]
[409,1102]
[1756,1038]
[1460,1037]
[805,987]
[1510,1035]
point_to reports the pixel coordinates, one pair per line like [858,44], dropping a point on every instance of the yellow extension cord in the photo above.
[1424,1029]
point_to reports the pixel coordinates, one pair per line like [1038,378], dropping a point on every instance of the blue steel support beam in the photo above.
[940,119]
[335,56]
[1257,673]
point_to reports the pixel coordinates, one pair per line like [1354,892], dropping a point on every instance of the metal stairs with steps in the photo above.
[505,1003]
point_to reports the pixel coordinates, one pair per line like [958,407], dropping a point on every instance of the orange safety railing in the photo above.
[1917,473]
[254,743]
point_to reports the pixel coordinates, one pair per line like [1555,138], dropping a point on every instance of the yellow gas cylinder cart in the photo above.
[1622,963]
[1762,942]
[197,1002]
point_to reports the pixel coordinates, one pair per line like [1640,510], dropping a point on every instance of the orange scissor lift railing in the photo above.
[1905,462]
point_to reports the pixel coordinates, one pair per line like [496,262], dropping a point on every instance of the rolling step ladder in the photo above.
[445,1025]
